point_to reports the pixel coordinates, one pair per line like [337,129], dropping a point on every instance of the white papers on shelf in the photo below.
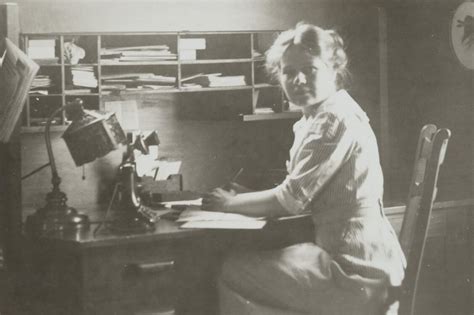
[187,54]
[16,75]
[218,220]
[41,48]
[215,80]
[151,53]
[84,76]
[192,43]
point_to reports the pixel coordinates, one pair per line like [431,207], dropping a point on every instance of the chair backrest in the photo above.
[431,149]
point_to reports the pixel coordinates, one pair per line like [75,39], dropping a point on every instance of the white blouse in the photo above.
[334,160]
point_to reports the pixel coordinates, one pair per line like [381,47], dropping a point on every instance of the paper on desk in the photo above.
[194,203]
[224,224]
[218,220]
[167,168]
[200,215]
[146,164]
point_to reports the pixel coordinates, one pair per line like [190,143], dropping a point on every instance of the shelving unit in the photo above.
[237,56]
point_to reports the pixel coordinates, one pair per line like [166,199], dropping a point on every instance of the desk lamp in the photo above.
[92,134]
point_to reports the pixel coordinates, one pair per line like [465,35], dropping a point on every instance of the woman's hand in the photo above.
[218,200]
[239,189]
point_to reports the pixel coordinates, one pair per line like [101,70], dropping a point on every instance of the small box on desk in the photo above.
[156,191]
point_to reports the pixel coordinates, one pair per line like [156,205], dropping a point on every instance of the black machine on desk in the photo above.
[135,193]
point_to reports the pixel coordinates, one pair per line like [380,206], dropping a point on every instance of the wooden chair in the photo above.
[430,152]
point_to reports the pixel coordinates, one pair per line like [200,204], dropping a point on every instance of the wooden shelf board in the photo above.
[81,94]
[81,65]
[45,64]
[36,129]
[213,61]
[49,95]
[210,89]
[146,91]
[272,116]
[265,85]
[148,63]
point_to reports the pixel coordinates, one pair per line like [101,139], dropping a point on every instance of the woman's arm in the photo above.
[258,204]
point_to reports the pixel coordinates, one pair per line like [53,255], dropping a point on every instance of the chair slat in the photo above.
[430,154]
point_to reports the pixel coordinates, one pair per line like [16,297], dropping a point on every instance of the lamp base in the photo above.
[46,221]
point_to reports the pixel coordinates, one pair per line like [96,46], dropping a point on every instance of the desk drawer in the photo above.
[132,274]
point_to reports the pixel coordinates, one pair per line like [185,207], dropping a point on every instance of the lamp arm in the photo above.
[55,180]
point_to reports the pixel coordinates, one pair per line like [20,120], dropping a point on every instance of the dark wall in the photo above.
[428,85]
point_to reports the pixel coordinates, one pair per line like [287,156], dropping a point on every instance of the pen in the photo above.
[234,178]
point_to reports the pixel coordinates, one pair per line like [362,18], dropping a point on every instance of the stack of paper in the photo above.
[138,80]
[83,76]
[16,75]
[213,80]
[192,218]
[149,53]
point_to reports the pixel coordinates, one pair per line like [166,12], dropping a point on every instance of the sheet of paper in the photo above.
[146,164]
[200,215]
[247,225]
[167,168]
[194,203]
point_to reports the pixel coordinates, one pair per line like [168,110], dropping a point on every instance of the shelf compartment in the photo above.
[156,78]
[89,101]
[43,49]
[81,77]
[48,79]
[138,49]
[272,116]
[218,45]
[238,75]
[214,105]
[40,108]
[262,41]
[72,44]
[261,76]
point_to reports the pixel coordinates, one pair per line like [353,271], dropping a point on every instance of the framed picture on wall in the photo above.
[462,34]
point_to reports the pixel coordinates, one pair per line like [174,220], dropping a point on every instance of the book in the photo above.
[17,72]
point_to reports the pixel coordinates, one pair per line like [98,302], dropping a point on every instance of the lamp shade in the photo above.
[93,135]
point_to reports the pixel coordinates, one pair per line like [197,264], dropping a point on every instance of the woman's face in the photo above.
[306,79]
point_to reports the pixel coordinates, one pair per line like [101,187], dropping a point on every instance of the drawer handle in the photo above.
[135,270]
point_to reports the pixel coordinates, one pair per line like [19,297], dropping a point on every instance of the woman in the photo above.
[333,172]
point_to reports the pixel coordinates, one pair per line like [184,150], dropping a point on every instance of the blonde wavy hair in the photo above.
[325,44]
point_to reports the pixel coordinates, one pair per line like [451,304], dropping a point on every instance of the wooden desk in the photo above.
[170,268]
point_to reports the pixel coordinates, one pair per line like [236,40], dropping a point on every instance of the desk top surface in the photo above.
[100,236]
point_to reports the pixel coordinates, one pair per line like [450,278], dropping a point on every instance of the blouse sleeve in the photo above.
[326,148]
